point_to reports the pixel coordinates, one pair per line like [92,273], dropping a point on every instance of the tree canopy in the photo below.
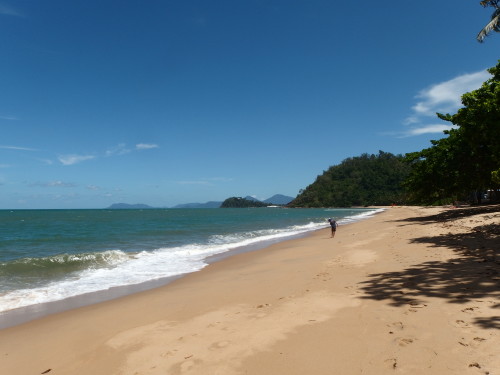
[357,181]
[468,159]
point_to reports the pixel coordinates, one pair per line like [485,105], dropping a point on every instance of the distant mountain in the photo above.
[279,199]
[211,204]
[125,206]
[249,198]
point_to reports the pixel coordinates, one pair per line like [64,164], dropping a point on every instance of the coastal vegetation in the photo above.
[358,181]
[465,164]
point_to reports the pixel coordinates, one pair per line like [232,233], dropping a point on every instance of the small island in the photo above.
[238,202]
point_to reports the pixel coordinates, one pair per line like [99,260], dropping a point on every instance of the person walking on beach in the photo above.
[333,225]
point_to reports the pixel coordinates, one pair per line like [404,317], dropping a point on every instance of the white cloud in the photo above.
[426,129]
[46,161]
[145,146]
[74,159]
[120,149]
[411,120]
[18,148]
[60,184]
[93,187]
[444,97]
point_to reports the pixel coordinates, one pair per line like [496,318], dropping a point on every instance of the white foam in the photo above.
[360,216]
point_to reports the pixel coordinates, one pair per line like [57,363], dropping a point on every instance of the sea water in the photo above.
[51,255]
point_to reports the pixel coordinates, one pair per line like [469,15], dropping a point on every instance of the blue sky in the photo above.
[167,102]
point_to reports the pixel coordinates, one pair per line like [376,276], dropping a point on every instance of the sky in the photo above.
[166,102]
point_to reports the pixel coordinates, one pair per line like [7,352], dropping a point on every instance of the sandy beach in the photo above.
[411,291]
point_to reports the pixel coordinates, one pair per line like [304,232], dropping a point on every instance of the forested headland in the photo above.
[358,181]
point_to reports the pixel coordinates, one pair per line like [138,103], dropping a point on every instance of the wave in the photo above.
[53,265]
[360,216]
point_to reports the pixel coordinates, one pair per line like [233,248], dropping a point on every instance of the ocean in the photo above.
[52,255]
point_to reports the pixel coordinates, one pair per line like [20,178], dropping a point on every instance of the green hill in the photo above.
[358,181]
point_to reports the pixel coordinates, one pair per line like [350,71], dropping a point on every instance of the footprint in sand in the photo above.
[417,305]
[325,276]
[263,305]
[470,309]
[188,365]
[391,363]
[169,353]
[476,342]
[395,326]
[212,325]
[405,342]
[219,345]
[460,323]
[414,306]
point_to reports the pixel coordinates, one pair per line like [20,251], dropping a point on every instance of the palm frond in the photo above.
[493,25]
[491,3]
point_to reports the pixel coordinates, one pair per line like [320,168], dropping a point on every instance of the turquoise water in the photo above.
[49,255]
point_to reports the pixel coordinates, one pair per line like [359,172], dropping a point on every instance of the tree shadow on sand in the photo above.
[473,276]
[455,214]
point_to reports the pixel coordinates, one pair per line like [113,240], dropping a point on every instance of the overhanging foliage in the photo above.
[464,161]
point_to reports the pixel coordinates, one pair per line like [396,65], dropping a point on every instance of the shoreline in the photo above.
[411,289]
[24,314]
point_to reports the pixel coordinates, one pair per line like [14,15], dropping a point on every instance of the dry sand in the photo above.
[409,291]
